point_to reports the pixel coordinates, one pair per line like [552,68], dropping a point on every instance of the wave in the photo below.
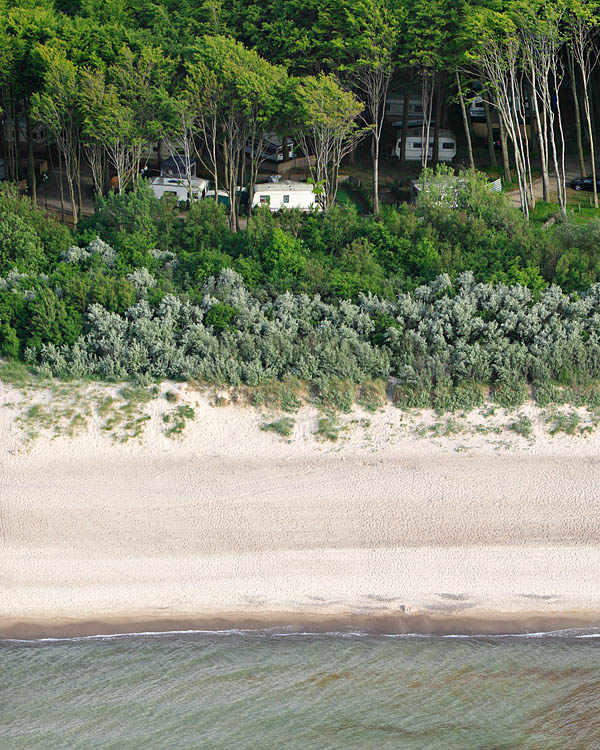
[567,633]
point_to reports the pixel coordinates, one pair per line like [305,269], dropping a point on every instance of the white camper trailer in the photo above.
[394,108]
[285,194]
[179,188]
[273,148]
[446,145]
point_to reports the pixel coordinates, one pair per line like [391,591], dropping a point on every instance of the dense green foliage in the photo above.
[457,290]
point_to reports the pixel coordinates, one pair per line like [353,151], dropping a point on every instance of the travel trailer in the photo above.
[285,194]
[179,188]
[38,131]
[446,145]
[394,109]
[273,148]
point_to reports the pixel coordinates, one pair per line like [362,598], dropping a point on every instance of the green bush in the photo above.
[283,426]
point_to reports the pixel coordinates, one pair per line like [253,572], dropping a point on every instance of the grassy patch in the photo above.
[175,420]
[328,427]
[15,373]
[171,397]
[283,426]
[336,395]
[522,425]
[411,398]
[510,395]
[125,419]
[371,396]
[284,395]
[567,422]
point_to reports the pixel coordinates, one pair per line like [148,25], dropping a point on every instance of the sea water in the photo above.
[282,690]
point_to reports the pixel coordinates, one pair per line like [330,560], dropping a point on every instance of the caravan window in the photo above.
[414,144]
[447,145]
[286,198]
[265,199]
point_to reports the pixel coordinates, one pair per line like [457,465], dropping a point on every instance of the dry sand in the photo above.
[230,526]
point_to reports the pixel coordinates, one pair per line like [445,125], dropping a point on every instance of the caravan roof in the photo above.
[284,186]
[418,133]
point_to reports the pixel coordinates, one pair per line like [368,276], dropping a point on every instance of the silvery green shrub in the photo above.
[443,333]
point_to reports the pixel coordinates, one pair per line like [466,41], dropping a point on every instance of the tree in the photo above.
[364,35]
[327,130]
[124,108]
[542,44]
[239,99]
[57,106]
[582,26]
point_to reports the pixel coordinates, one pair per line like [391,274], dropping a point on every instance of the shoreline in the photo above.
[417,624]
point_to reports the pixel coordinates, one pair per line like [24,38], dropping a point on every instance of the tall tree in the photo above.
[369,35]
[582,23]
[327,129]
[57,106]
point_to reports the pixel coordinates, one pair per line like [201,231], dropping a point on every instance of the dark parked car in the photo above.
[585,183]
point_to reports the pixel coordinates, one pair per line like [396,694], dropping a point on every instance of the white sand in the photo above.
[233,522]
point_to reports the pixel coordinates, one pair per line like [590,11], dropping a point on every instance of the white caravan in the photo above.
[273,148]
[394,108]
[285,194]
[179,188]
[446,145]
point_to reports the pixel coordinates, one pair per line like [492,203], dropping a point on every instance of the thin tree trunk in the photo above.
[588,117]
[30,162]
[60,185]
[504,148]
[78,178]
[435,154]
[490,134]
[375,155]
[465,117]
[542,128]
[405,105]
[577,112]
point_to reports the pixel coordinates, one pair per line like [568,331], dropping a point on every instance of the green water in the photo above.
[237,691]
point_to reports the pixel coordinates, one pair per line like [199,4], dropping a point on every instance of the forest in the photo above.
[461,287]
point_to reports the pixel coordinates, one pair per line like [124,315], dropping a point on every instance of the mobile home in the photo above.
[273,148]
[414,136]
[178,187]
[394,108]
[285,194]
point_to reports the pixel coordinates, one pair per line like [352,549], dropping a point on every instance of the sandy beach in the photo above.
[230,526]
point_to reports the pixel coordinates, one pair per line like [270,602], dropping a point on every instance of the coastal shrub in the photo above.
[567,422]
[522,425]
[283,426]
[510,395]
[448,339]
[372,395]
[336,394]
[285,394]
